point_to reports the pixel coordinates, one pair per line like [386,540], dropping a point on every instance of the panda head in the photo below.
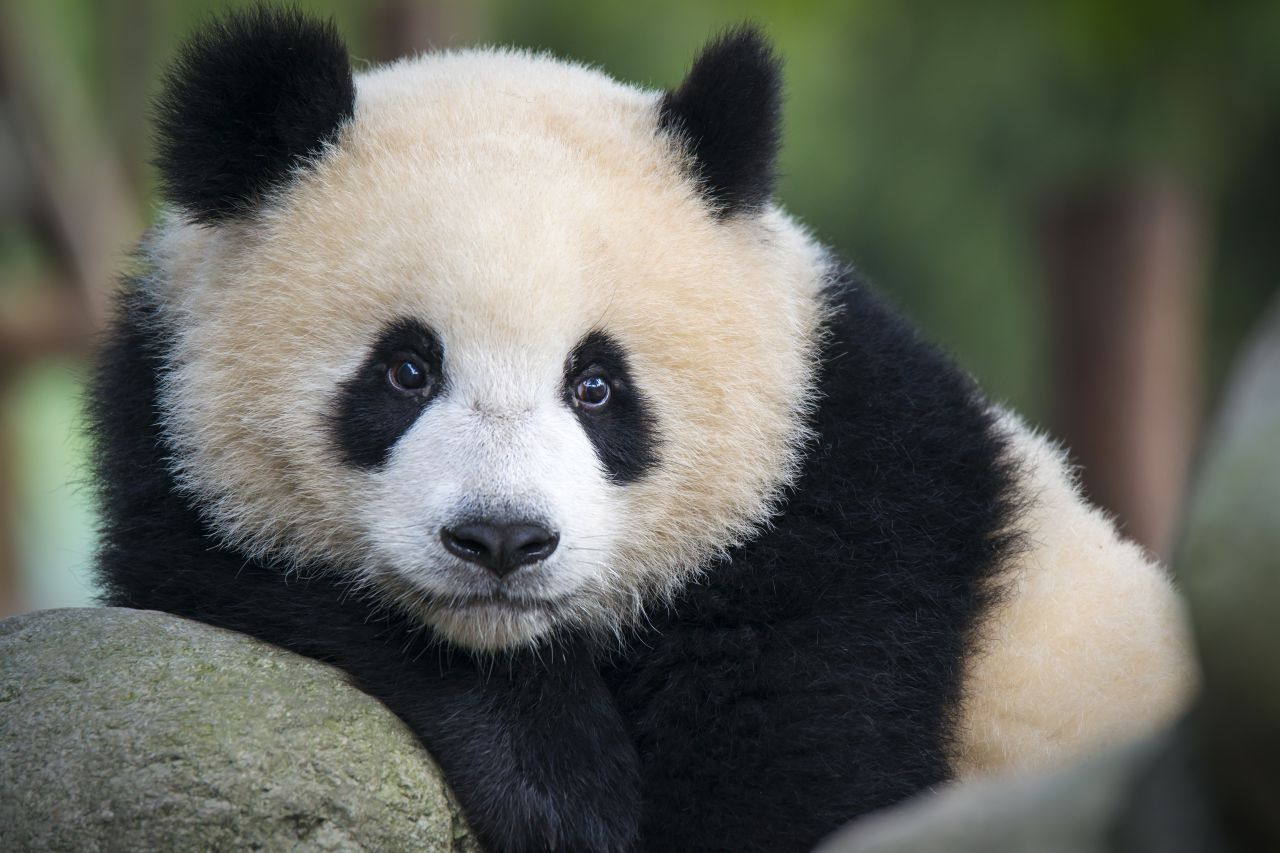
[512,345]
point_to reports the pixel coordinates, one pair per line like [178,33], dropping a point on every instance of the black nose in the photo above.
[501,548]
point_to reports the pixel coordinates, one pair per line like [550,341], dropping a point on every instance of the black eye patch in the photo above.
[370,413]
[625,432]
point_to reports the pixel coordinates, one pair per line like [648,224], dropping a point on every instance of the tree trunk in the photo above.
[1125,266]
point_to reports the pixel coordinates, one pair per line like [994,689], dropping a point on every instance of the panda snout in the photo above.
[499,546]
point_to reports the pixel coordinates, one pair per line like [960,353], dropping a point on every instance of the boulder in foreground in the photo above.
[136,730]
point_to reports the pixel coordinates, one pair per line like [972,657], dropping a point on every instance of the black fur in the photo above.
[728,112]
[624,433]
[248,99]
[369,416]
[815,675]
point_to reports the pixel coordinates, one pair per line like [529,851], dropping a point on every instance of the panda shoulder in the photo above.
[1088,643]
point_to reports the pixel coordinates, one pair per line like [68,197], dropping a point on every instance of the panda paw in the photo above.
[533,820]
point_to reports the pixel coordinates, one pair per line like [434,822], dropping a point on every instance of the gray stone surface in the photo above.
[134,730]
[1230,558]
[1146,797]
[1230,566]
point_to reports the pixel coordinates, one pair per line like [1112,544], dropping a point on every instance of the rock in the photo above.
[1144,797]
[1229,564]
[135,730]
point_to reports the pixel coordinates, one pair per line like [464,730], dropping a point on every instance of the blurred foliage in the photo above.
[56,516]
[923,136]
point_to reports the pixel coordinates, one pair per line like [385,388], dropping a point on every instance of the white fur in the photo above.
[1090,645]
[478,453]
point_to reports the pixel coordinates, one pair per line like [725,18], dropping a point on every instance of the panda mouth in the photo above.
[496,621]
[499,601]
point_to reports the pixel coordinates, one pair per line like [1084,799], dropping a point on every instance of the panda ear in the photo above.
[249,98]
[728,113]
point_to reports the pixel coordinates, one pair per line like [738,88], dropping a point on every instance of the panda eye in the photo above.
[407,375]
[592,392]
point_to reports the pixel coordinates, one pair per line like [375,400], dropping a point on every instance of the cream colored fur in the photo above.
[1090,645]
[515,203]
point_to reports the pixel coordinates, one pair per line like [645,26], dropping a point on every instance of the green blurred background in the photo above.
[1079,199]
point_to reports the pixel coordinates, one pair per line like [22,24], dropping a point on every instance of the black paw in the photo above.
[531,821]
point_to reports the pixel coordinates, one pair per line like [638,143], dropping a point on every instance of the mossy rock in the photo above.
[135,730]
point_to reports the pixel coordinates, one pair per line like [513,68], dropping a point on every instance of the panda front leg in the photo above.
[531,744]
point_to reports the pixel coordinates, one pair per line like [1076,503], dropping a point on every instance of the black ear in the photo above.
[728,110]
[250,97]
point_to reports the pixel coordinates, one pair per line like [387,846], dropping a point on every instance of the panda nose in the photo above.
[499,547]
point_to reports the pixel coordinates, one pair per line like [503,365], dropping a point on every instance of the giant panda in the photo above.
[509,390]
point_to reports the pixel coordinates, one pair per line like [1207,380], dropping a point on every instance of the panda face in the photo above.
[491,355]
[495,472]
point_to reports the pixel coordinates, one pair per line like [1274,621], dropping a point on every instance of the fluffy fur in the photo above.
[804,570]
[248,99]
[728,115]
[1090,644]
